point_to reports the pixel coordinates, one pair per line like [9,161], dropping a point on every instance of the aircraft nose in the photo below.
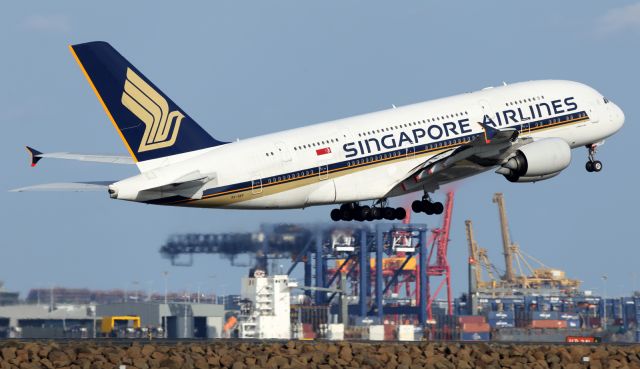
[618,117]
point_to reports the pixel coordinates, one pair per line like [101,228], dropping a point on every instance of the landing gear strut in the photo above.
[593,165]
[427,206]
[353,211]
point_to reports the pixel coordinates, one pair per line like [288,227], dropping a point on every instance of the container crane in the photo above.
[440,266]
[507,246]
[528,277]
[479,261]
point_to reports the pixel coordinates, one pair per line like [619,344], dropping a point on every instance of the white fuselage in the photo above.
[365,157]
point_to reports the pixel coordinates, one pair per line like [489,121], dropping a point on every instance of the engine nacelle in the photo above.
[537,161]
[535,178]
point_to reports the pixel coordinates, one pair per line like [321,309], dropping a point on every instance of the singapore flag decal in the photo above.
[323,151]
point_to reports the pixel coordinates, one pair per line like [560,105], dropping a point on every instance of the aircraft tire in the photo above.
[438,208]
[346,215]
[388,213]
[428,207]
[336,215]
[589,166]
[400,213]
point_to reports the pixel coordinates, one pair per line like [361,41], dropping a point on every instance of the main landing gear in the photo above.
[353,211]
[593,165]
[427,206]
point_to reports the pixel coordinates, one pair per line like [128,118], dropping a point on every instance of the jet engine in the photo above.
[537,161]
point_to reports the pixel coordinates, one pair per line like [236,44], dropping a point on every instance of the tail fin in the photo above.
[149,122]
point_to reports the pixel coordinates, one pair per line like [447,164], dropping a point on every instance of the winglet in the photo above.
[35,155]
[489,132]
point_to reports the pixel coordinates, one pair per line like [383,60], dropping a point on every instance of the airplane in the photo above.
[525,131]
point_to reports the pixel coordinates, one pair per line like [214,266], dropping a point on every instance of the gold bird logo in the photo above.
[161,125]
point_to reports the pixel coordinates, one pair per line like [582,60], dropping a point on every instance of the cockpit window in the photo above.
[606,101]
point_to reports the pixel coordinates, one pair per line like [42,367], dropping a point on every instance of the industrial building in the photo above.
[171,320]
[7,297]
[41,321]
[178,320]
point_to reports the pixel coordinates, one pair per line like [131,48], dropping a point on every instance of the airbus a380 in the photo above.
[524,131]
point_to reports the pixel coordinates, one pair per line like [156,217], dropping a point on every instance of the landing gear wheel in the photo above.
[428,207]
[336,215]
[346,215]
[593,165]
[361,213]
[399,213]
[388,213]
[417,206]
[438,208]
[589,166]
[375,212]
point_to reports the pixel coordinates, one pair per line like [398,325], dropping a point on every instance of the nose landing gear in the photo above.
[593,165]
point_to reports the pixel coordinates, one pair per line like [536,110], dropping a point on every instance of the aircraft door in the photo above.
[410,152]
[256,184]
[323,171]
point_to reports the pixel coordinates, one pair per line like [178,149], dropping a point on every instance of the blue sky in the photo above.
[247,68]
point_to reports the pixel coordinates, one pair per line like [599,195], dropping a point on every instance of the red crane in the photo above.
[440,266]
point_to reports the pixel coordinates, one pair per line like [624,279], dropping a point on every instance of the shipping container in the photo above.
[406,333]
[501,315]
[542,315]
[475,327]
[569,316]
[389,332]
[471,319]
[547,323]
[573,323]
[376,332]
[502,323]
[336,332]
[595,322]
[475,336]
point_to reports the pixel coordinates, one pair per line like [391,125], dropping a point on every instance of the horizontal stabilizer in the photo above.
[109,159]
[70,187]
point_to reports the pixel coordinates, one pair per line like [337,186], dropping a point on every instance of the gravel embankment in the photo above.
[318,355]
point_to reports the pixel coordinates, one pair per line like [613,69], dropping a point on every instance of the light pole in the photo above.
[604,318]
[213,296]
[135,285]
[166,291]
[149,291]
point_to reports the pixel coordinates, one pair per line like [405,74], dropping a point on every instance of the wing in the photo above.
[72,187]
[36,156]
[486,151]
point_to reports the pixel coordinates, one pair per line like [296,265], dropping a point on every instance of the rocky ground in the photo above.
[302,354]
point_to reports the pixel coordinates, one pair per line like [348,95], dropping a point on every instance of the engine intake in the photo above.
[537,161]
